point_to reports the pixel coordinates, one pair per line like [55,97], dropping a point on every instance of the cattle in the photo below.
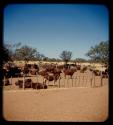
[83,69]
[96,72]
[34,69]
[43,72]
[12,71]
[105,74]
[69,72]
[25,70]
[50,73]
[57,71]
[78,67]
[60,67]
[6,82]
[51,77]
[28,83]
[39,86]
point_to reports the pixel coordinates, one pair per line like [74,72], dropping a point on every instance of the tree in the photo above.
[66,56]
[100,52]
[39,56]
[5,56]
[11,49]
[25,53]
[45,58]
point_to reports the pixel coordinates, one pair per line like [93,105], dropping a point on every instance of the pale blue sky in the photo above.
[52,28]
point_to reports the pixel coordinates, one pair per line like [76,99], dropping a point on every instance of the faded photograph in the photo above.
[55,65]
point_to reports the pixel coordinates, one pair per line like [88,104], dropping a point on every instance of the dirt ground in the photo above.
[75,100]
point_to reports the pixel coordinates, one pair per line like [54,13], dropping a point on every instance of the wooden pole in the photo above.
[23,81]
[83,80]
[59,82]
[64,82]
[67,82]
[37,77]
[101,82]
[86,80]
[72,82]
[79,80]
[94,81]
[75,80]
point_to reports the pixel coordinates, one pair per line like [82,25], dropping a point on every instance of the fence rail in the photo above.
[78,80]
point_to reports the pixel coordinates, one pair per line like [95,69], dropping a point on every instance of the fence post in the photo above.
[37,77]
[72,82]
[79,80]
[75,80]
[101,82]
[64,82]
[94,81]
[83,80]
[67,82]
[23,81]
[86,80]
[59,82]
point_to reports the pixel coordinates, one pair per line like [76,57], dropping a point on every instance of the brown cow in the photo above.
[52,77]
[69,72]
[28,83]
[6,82]
[97,72]
[39,86]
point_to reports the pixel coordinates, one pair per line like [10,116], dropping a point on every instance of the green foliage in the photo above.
[100,52]
[25,53]
[45,59]
[11,48]
[39,56]
[5,56]
[66,56]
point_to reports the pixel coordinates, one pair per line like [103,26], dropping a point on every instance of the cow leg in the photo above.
[70,76]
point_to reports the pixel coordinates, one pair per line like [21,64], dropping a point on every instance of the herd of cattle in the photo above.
[49,72]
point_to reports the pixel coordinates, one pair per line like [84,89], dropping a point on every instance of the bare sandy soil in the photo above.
[75,103]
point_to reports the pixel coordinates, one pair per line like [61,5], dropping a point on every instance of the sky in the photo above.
[53,28]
